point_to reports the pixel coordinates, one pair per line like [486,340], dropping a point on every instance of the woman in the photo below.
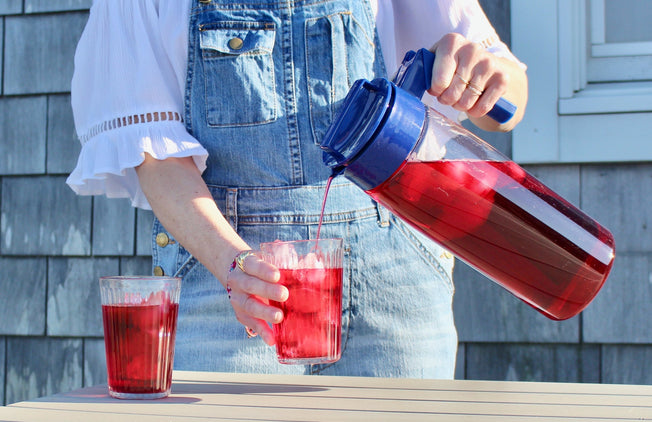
[211,113]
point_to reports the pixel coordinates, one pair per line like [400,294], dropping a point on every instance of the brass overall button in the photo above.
[162,240]
[236,43]
[158,271]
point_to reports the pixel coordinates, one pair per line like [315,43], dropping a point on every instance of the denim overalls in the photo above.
[264,80]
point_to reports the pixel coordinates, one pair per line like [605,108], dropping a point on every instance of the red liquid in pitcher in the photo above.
[139,342]
[494,214]
[311,327]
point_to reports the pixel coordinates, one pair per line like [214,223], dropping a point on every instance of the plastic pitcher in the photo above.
[465,195]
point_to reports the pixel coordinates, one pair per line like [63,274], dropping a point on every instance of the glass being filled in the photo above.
[310,332]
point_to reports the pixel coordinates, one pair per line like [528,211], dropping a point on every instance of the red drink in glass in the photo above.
[312,325]
[310,332]
[139,341]
[494,214]
[140,322]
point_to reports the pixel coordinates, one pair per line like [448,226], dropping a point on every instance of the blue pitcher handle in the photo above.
[415,74]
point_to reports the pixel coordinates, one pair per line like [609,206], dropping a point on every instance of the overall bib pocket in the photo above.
[349,56]
[239,72]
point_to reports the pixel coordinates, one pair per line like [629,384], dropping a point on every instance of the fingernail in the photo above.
[285,295]
[278,316]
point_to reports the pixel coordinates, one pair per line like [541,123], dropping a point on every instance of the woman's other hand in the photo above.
[471,79]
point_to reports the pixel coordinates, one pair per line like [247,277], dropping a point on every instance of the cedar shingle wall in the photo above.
[54,245]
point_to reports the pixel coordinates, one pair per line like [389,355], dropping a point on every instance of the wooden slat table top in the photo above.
[207,396]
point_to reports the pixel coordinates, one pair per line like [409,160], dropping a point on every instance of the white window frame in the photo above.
[625,61]
[568,120]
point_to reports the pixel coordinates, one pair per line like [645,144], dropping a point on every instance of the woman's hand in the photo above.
[251,286]
[470,79]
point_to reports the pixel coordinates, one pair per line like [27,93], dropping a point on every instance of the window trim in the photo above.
[567,120]
[631,61]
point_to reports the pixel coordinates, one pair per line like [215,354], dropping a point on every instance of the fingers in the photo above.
[443,68]
[466,76]
[493,89]
[255,307]
[255,313]
[254,326]
[251,285]
[256,267]
[258,278]
[257,328]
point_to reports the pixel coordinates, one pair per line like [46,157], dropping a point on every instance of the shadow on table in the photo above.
[183,392]
[240,388]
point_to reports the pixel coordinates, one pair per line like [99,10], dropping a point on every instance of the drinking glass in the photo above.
[140,319]
[310,332]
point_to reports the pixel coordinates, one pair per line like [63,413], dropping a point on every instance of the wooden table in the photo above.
[207,396]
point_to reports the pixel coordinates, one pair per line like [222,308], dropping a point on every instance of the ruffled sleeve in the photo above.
[127,97]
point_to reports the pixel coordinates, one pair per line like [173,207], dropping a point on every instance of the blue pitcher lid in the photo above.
[375,129]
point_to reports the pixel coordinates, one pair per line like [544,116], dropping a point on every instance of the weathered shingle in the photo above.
[3,343]
[62,143]
[138,265]
[114,221]
[10,7]
[2,46]
[41,366]
[22,296]
[621,312]
[43,216]
[74,305]
[22,130]
[40,6]
[39,52]
[620,198]
[94,362]
[485,312]
[523,362]
[460,362]
[627,364]
[144,222]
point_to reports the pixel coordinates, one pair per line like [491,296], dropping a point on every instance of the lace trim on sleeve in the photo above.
[134,119]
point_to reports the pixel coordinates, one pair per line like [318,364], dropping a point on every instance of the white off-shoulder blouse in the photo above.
[127,90]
